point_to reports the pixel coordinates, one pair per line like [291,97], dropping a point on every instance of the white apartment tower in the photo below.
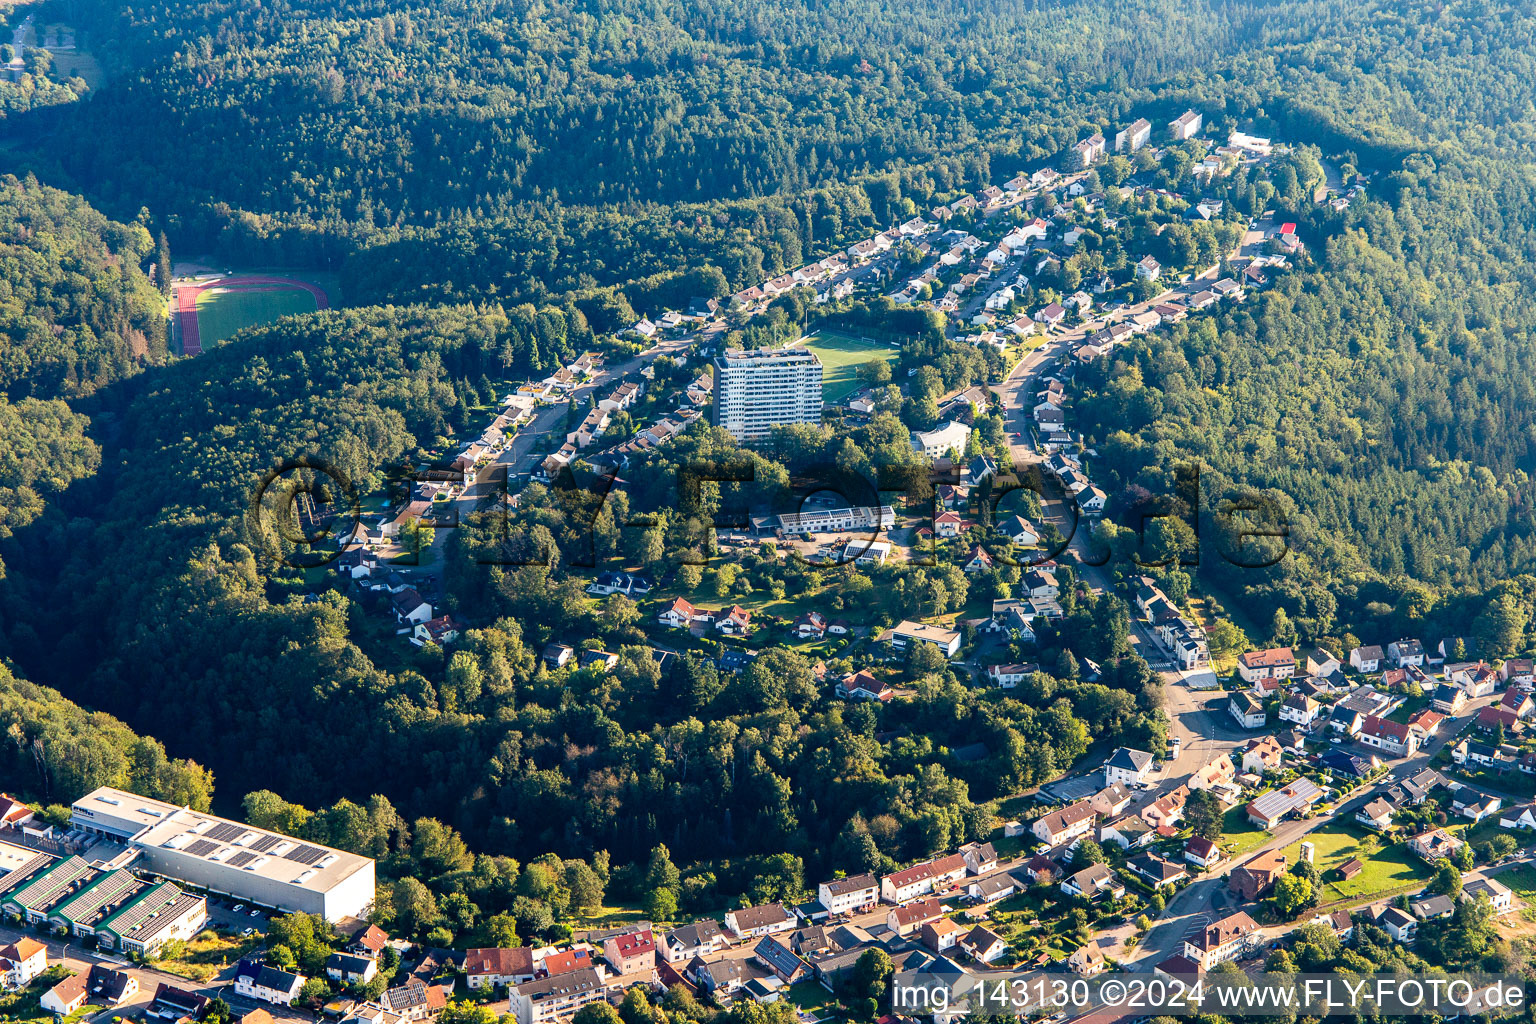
[759,389]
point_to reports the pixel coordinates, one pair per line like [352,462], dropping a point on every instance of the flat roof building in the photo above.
[230,857]
[759,389]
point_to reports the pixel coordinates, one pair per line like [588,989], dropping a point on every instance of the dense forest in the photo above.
[76,309]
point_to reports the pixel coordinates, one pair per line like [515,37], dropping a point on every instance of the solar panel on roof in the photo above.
[265,843]
[201,848]
[223,833]
[304,854]
[241,859]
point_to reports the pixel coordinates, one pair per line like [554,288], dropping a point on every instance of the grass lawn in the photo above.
[222,314]
[1521,880]
[1240,836]
[841,356]
[1390,867]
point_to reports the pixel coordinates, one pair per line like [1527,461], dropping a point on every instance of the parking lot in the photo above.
[240,918]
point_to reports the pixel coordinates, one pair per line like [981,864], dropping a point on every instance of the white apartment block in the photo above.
[844,894]
[759,389]
[1186,126]
[1133,137]
[557,998]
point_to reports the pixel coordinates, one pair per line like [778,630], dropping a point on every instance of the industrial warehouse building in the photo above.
[229,857]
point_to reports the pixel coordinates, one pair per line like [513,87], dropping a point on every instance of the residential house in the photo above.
[983,945]
[1110,801]
[1424,722]
[921,879]
[1299,709]
[493,967]
[630,950]
[255,980]
[1345,763]
[1366,660]
[1129,832]
[1434,844]
[1222,940]
[779,959]
[701,938]
[907,633]
[1519,816]
[21,961]
[410,608]
[861,685]
[558,997]
[1087,960]
[1449,699]
[1394,738]
[1274,663]
[1065,823]
[992,888]
[720,978]
[1093,880]
[1166,809]
[810,625]
[1432,908]
[1214,774]
[1042,870]
[1403,653]
[846,895]
[1519,672]
[64,998]
[1203,852]
[979,561]
[1246,709]
[755,922]
[1319,661]
[737,622]
[351,969]
[1495,891]
[1011,675]
[1402,926]
[905,920]
[1476,806]
[1158,871]
[979,857]
[1518,703]
[1127,767]
[1376,814]
[941,935]
[1263,755]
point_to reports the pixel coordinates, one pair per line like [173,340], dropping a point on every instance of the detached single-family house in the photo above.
[1394,738]
[1093,880]
[1246,710]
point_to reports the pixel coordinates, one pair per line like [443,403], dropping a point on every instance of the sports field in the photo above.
[211,310]
[222,313]
[841,356]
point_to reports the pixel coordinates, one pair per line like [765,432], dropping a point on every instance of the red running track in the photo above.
[186,302]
